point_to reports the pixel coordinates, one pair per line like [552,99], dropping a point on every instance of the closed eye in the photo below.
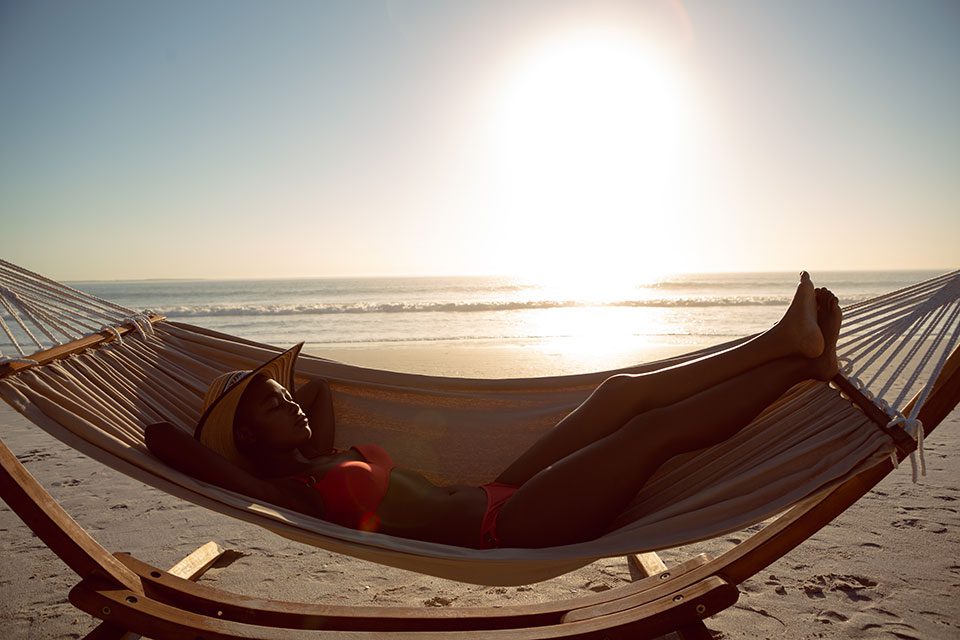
[276,402]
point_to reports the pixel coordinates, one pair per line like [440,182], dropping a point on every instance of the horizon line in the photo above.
[485,275]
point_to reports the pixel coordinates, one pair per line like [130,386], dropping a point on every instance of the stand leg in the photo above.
[650,564]
[191,567]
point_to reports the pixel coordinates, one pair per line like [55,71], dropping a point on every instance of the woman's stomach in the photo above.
[414,507]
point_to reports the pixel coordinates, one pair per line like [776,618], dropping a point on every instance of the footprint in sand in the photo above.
[903,635]
[34,455]
[854,587]
[778,588]
[917,523]
[813,590]
[880,628]
[906,523]
[933,508]
[829,616]
[66,483]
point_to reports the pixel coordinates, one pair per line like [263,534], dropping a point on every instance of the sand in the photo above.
[889,567]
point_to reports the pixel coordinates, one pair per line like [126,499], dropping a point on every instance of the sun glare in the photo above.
[592,136]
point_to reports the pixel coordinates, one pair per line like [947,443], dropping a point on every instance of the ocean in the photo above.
[683,311]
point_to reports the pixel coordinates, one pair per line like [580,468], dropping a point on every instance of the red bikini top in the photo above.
[353,489]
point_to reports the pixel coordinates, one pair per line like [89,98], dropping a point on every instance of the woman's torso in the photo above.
[414,507]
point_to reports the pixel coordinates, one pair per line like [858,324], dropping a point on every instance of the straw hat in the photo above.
[215,429]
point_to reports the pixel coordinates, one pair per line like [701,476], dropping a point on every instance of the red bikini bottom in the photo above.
[497,494]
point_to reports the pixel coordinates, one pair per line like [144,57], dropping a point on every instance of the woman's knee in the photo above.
[622,387]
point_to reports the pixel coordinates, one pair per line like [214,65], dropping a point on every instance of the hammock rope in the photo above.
[64,304]
[99,400]
[904,331]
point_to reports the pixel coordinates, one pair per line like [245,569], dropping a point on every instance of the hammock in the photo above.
[101,372]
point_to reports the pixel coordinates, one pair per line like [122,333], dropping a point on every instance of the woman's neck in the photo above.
[273,464]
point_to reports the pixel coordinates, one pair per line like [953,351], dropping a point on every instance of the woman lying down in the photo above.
[259,437]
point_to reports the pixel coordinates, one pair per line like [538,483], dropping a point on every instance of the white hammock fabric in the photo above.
[457,430]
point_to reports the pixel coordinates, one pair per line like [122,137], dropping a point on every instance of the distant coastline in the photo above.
[75,282]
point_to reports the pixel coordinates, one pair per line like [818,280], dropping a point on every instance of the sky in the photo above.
[599,139]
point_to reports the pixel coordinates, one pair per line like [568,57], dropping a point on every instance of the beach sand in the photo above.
[888,567]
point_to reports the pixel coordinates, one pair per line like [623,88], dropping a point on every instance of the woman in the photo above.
[254,438]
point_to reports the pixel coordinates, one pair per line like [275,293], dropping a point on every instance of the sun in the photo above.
[591,138]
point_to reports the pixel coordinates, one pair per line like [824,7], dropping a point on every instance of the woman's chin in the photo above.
[305,433]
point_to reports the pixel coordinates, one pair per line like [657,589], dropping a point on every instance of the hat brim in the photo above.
[215,427]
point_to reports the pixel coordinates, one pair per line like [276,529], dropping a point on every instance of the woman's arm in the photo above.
[182,452]
[317,402]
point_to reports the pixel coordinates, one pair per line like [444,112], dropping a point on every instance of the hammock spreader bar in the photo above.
[59,352]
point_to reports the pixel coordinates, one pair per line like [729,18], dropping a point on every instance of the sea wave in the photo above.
[183,311]
[666,335]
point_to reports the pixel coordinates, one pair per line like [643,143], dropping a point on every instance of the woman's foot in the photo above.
[829,317]
[799,328]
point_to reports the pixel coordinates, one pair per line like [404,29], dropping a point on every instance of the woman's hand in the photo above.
[317,402]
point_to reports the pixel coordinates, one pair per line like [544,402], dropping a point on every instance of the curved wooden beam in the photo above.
[813,513]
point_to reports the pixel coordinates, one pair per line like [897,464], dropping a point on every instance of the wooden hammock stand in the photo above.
[131,596]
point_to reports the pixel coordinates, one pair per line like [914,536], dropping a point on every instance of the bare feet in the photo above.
[829,318]
[799,326]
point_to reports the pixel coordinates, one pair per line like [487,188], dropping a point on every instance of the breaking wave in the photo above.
[184,311]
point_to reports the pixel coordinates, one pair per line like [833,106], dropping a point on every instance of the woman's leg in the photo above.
[621,397]
[576,498]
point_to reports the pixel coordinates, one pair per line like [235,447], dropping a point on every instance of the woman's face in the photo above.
[270,417]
